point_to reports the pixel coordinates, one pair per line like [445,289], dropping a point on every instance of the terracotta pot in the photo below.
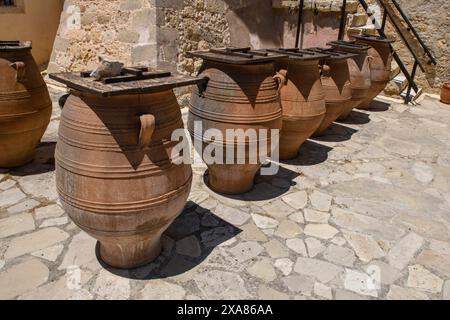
[114,173]
[25,105]
[303,103]
[236,97]
[360,74]
[336,84]
[445,93]
[380,66]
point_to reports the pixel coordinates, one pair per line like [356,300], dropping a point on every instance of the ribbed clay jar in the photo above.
[237,97]
[115,175]
[380,66]
[303,104]
[25,105]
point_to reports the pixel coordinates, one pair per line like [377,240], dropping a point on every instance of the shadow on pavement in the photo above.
[209,234]
[310,154]
[336,133]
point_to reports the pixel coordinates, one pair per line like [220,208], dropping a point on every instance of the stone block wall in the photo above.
[28,20]
[158,33]
[188,26]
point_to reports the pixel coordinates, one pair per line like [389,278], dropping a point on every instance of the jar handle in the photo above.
[147,128]
[20,70]
[281,78]
[203,85]
[325,71]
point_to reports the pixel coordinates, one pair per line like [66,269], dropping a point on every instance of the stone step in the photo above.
[357,20]
[413,95]
[364,30]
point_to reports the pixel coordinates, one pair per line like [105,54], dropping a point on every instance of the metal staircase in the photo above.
[422,55]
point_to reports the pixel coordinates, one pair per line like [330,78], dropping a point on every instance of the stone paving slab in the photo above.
[362,213]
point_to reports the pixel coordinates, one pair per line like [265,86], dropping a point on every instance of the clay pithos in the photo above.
[360,82]
[303,102]
[445,93]
[360,74]
[380,66]
[237,96]
[25,105]
[120,176]
[336,84]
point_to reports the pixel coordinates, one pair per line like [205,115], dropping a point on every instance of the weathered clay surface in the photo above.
[240,98]
[143,190]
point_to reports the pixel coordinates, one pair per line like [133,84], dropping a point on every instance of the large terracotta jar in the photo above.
[25,105]
[241,95]
[445,93]
[115,173]
[380,66]
[335,78]
[302,99]
[360,74]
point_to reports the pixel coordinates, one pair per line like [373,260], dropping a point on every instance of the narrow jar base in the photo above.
[130,255]
[231,179]
[334,110]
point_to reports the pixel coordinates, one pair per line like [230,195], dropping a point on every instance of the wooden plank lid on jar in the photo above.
[298,54]
[132,80]
[374,39]
[14,45]
[240,56]
[333,55]
[349,46]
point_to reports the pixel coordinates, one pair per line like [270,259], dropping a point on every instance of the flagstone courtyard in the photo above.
[363,213]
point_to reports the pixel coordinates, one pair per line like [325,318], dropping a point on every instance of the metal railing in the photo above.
[409,76]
